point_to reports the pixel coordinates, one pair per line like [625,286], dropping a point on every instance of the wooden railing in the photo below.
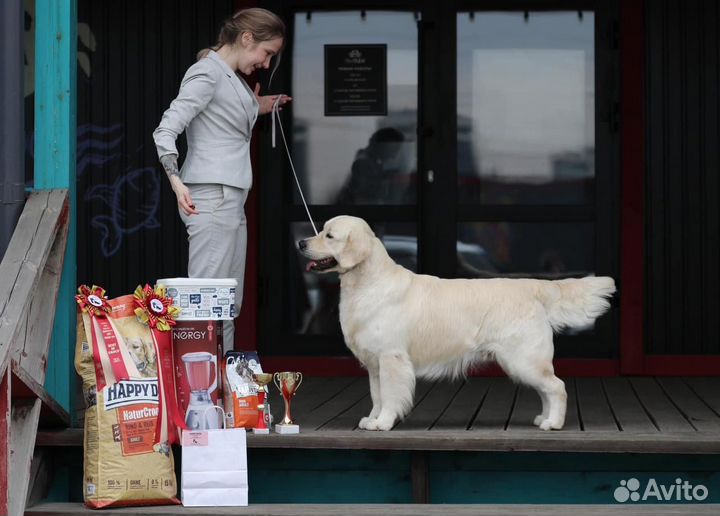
[29,280]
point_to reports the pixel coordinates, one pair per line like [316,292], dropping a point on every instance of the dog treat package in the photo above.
[125,462]
[240,391]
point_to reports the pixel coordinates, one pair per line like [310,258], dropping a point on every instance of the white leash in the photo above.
[276,113]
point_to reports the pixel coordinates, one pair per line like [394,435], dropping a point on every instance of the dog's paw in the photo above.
[549,424]
[538,419]
[378,424]
[364,422]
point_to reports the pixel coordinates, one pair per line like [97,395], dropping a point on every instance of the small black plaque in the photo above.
[355,80]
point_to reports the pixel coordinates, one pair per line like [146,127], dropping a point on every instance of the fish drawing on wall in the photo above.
[139,186]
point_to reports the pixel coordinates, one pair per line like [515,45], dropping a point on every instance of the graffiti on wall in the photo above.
[117,222]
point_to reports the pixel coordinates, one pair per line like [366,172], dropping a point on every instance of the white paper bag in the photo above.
[214,468]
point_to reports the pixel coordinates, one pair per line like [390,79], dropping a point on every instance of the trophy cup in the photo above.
[263,423]
[288,383]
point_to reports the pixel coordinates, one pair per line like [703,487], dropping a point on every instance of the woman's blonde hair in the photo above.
[262,24]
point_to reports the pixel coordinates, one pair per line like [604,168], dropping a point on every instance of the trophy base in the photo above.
[287,429]
[261,430]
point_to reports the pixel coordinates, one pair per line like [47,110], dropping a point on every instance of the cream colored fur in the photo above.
[402,325]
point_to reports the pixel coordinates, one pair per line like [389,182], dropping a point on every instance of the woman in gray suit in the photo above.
[217,110]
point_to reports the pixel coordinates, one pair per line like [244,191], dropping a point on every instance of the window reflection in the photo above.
[549,250]
[378,173]
[342,159]
[526,104]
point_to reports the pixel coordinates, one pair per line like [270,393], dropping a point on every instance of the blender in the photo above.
[202,378]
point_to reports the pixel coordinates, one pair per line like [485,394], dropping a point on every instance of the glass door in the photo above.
[500,162]
[534,199]
[352,157]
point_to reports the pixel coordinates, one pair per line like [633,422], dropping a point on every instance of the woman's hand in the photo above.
[169,163]
[266,102]
[182,193]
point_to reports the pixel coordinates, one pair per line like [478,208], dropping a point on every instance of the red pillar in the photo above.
[4,440]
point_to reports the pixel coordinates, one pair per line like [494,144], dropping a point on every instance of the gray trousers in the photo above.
[217,237]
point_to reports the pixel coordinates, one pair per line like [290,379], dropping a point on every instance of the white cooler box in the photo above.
[202,299]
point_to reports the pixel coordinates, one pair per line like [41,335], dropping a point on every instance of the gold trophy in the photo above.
[263,423]
[288,383]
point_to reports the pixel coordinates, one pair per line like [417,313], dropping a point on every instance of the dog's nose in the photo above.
[302,244]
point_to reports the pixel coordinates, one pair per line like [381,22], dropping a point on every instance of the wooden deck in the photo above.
[638,414]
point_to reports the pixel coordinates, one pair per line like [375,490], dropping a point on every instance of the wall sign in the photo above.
[355,80]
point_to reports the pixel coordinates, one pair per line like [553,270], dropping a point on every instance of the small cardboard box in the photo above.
[202,299]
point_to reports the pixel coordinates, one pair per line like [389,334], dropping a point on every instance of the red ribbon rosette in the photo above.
[110,366]
[154,308]
[93,301]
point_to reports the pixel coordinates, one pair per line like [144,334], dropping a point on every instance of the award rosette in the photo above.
[109,356]
[154,308]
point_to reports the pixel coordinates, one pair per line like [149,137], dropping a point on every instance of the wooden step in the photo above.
[72,509]
[476,440]
[24,386]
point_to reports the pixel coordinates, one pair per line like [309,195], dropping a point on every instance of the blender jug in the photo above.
[202,378]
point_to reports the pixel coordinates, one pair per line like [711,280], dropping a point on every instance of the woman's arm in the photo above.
[196,91]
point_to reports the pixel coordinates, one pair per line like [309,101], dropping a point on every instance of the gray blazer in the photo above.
[217,110]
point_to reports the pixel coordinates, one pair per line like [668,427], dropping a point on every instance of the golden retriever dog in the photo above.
[402,325]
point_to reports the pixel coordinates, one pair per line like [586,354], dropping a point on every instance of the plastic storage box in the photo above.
[202,299]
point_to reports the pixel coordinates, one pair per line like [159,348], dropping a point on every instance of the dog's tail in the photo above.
[576,302]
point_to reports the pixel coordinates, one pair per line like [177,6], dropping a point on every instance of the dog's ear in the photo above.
[357,249]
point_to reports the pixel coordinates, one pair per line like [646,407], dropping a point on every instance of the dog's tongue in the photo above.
[310,265]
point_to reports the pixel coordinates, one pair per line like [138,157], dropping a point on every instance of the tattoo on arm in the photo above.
[169,163]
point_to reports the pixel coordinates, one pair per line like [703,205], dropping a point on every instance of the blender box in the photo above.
[196,345]
[202,299]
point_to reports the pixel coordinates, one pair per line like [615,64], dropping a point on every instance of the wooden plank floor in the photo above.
[670,415]
[619,414]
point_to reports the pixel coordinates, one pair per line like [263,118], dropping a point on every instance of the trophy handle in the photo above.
[299,378]
[276,381]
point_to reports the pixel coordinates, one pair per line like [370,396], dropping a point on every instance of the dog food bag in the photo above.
[240,391]
[115,357]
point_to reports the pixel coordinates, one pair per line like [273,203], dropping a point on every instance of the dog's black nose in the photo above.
[302,244]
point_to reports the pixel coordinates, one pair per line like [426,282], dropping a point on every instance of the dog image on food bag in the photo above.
[143,354]
[401,325]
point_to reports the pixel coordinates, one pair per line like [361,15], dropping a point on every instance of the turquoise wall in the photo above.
[355,476]
[562,478]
